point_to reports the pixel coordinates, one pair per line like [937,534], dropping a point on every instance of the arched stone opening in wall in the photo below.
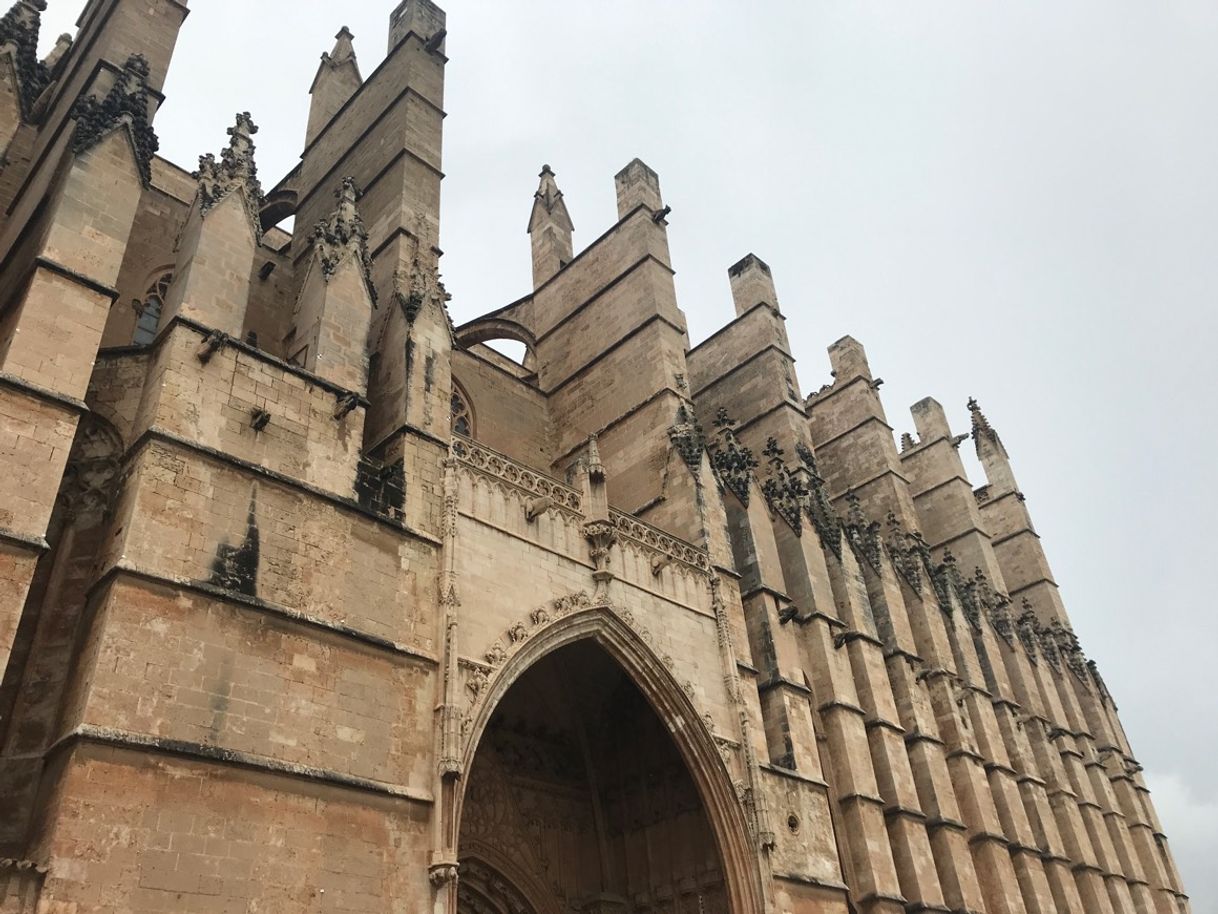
[488,330]
[592,783]
[462,412]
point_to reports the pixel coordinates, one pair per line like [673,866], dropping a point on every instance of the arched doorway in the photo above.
[578,799]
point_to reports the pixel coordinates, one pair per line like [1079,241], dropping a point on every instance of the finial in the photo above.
[245,127]
[343,49]
[980,422]
[234,169]
[548,205]
[343,234]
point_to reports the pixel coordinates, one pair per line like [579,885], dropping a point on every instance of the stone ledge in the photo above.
[124,739]
[233,598]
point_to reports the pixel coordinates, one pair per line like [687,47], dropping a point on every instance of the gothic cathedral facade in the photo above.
[313,601]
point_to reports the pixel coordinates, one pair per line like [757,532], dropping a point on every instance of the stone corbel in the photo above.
[537,507]
[443,870]
[601,536]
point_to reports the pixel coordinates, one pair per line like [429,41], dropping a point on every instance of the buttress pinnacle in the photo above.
[548,205]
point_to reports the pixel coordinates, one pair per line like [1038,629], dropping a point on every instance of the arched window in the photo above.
[463,420]
[150,311]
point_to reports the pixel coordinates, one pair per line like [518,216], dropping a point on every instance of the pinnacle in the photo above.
[244,126]
[980,422]
[343,49]
[547,188]
[548,205]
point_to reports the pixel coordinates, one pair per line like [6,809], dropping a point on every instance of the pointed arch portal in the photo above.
[592,784]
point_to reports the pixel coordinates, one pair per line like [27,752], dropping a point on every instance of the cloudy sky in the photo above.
[1013,201]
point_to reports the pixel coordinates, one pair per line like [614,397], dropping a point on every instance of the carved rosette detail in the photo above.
[125,104]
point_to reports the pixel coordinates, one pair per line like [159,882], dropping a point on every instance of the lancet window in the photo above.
[150,311]
[463,420]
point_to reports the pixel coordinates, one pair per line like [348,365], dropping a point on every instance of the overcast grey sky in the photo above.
[1013,201]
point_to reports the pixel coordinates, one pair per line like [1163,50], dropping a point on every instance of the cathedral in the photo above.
[312,601]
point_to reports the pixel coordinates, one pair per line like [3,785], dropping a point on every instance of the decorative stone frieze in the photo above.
[482,459]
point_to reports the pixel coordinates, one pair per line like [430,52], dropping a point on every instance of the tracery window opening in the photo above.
[150,311]
[463,423]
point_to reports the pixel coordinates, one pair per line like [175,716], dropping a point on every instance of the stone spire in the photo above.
[234,171]
[19,29]
[550,229]
[337,79]
[126,104]
[991,452]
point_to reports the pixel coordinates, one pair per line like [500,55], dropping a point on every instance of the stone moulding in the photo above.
[644,534]
[490,463]
[478,673]
[487,462]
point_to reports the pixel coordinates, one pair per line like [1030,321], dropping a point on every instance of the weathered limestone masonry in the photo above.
[311,601]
